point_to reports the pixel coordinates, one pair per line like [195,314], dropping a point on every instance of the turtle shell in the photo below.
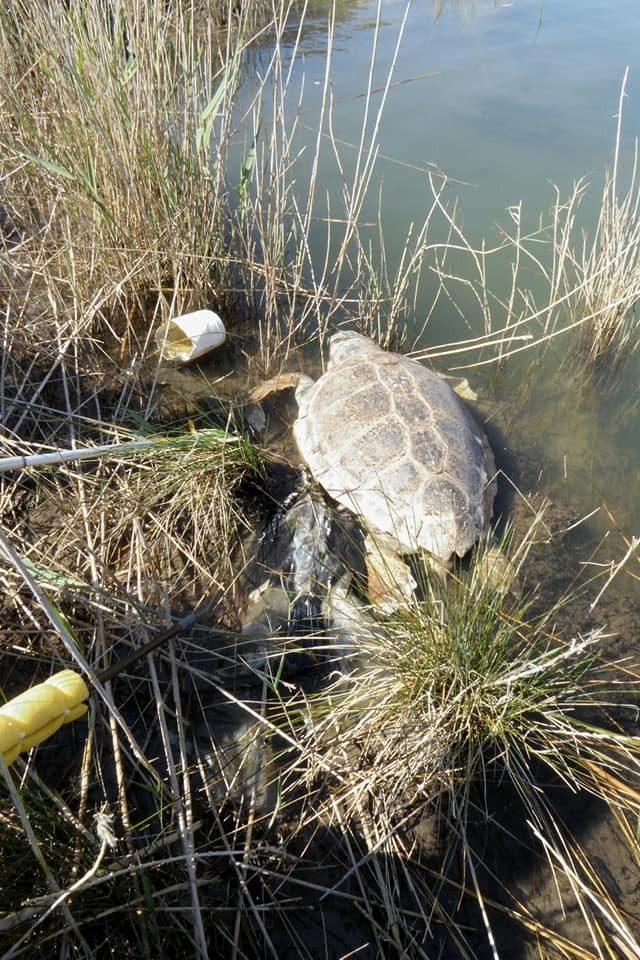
[389,439]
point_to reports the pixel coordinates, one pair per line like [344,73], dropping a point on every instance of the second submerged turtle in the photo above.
[389,439]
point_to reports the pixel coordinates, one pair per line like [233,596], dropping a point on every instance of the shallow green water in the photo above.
[506,99]
[506,96]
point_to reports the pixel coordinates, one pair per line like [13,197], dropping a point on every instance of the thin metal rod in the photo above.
[65,456]
[124,662]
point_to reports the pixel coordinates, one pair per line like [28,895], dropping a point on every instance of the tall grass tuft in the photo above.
[608,268]
[173,502]
[462,690]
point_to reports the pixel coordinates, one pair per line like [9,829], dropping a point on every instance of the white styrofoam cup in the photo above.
[191,335]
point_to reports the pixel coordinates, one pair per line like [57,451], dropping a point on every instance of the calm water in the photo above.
[507,96]
[507,99]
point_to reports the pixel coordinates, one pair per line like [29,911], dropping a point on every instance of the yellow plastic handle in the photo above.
[37,713]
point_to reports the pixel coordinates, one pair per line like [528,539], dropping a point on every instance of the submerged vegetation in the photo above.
[149,165]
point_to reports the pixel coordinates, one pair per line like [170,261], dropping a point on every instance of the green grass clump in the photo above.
[463,689]
[166,515]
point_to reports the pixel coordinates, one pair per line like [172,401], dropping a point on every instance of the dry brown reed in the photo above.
[568,279]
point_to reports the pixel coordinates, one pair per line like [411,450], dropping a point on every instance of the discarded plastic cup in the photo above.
[190,336]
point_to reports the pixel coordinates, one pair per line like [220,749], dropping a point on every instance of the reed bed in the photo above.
[609,267]
[146,170]
[109,182]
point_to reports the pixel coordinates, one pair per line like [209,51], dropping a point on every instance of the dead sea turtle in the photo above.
[389,439]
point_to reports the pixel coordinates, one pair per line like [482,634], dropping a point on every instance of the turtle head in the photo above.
[347,343]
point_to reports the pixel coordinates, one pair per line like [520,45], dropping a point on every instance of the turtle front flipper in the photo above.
[390,583]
